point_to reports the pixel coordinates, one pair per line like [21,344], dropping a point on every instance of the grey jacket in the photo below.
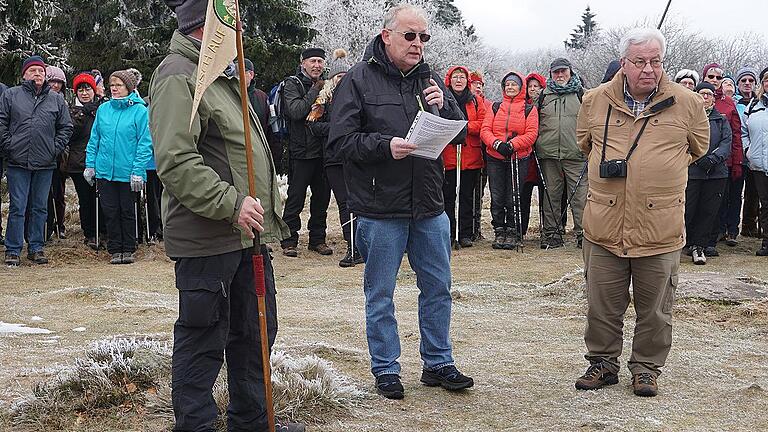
[34,128]
[720,139]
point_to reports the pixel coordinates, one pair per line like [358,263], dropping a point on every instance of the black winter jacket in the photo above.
[34,128]
[720,137]
[373,103]
[260,105]
[298,99]
[82,122]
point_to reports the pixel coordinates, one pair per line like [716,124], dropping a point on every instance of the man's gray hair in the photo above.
[639,36]
[390,18]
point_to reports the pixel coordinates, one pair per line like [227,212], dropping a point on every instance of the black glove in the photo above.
[503,148]
[708,162]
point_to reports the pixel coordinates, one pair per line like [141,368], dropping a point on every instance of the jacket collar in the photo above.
[664,96]
[376,54]
[30,87]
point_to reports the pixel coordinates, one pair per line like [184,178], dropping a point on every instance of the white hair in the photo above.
[687,73]
[639,36]
[390,18]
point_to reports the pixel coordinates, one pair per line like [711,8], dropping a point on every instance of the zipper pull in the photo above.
[223,289]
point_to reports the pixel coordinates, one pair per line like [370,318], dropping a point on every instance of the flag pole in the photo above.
[258,262]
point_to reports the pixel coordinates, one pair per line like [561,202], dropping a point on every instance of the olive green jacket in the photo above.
[204,169]
[557,127]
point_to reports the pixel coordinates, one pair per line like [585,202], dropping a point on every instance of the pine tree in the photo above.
[584,33]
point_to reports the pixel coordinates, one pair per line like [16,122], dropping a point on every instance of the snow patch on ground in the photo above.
[10,328]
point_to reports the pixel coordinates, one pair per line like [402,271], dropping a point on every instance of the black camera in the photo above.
[615,168]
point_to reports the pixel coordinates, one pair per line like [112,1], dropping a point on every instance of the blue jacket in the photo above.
[754,135]
[120,143]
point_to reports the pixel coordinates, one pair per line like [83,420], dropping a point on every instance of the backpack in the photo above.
[497,105]
[276,101]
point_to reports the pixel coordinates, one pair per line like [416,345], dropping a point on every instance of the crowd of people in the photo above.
[648,165]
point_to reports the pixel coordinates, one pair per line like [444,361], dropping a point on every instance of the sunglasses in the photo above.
[746,80]
[717,77]
[411,36]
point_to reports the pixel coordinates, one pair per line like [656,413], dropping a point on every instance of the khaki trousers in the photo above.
[654,280]
[559,175]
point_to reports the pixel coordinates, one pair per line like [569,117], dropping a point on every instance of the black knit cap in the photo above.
[190,14]
[705,85]
[762,74]
[312,52]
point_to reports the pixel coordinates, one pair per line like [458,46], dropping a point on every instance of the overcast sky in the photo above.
[520,25]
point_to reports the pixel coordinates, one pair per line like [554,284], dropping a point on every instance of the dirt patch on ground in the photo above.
[518,322]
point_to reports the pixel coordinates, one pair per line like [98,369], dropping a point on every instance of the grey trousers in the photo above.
[654,280]
[561,174]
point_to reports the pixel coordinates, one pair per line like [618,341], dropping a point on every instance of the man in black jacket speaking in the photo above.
[398,198]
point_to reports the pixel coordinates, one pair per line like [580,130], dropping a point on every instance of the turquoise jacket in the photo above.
[120,144]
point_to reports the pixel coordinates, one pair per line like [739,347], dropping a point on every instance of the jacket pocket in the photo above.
[601,217]
[201,301]
[664,218]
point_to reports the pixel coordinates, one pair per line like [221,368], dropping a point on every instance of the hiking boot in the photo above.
[389,386]
[579,242]
[117,258]
[687,250]
[447,377]
[37,257]
[152,240]
[511,241]
[644,384]
[348,260]
[290,251]
[552,242]
[128,258]
[731,241]
[284,426]
[321,248]
[498,242]
[710,251]
[465,242]
[12,260]
[699,258]
[763,251]
[597,376]
[91,243]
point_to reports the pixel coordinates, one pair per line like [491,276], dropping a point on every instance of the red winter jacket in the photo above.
[510,120]
[471,150]
[727,107]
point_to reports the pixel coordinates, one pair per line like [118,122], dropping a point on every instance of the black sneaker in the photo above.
[128,258]
[763,251]
[284,426]
[348,260]
[290,251]
[91,243]
[711,251]
[731,241]
[465,242]
[448,377]
[37,257]
[12,260]
[389,386]
[498,242]
[117,258]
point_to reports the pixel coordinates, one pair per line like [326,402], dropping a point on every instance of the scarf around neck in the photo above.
[573,85]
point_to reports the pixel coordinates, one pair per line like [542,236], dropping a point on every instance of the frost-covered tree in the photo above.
[584,33]
[23,24]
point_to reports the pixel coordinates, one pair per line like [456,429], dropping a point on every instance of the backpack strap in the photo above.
[495,107]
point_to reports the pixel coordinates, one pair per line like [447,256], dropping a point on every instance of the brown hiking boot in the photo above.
[37,257]
[321,248]
[290,251]
[12,260]
[645,384]
[597,376]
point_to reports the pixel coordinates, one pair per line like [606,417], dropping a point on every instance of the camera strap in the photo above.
[605,135]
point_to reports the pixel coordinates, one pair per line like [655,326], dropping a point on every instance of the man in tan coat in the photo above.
[640,132]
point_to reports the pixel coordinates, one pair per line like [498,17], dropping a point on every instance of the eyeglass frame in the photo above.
[644,63]
[423,37]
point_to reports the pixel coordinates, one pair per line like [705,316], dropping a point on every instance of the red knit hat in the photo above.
[476,76]
[540,78]
[84,78]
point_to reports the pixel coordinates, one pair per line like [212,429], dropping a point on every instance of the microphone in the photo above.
[425,75]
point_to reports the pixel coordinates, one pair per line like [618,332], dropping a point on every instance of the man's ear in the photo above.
[386,36]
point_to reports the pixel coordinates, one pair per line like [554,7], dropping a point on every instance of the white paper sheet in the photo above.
[432,133]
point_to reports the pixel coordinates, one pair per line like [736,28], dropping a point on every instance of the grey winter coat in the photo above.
[34,128]
[754,135]
[720,141]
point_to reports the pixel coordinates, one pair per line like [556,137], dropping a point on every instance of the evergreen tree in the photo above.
[584,33]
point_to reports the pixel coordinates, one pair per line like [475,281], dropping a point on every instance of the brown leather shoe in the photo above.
[321,248]
[37,257]
[290,251]
[645,384]
[597,376]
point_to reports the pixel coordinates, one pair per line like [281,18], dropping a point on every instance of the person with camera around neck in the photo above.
[640,132]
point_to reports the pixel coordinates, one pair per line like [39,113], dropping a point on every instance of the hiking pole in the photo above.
[55,219]
[664,15]
[258,260]
[516,205]
[146,210]
[351,234]
[546,194]
[573,192]
[458,192]
[96,186]
[136,204]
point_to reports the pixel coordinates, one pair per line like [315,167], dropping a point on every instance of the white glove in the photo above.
[137,183]
[88,175]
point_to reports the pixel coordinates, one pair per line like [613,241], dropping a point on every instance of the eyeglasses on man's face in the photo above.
[641,63]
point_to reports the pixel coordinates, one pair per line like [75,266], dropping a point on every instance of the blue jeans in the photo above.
[25,186]
[382,243]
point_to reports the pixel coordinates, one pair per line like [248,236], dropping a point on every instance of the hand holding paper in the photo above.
[401,148]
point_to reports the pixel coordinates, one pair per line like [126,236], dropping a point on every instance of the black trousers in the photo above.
[153,194]
[502,198]
[761,185]
[2,170]
[119,205]
[308,173]
[702,207]
[86,197]
[218,317]
[335,174]
[751,209]
[469,182]
[57,205]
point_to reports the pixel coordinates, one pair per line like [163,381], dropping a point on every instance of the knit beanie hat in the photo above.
[190,14]
[312,52]
[128,78]
[762,74]
[84,79]
[249,65]
[687,73]
[34,60]
[711,66]
[705,85]
[513,77]
[559,63]
[744,71]
[729,78]
[476,76]
[339,63]
[53,73]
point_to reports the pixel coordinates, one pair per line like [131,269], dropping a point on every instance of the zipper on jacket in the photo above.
[223,289]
